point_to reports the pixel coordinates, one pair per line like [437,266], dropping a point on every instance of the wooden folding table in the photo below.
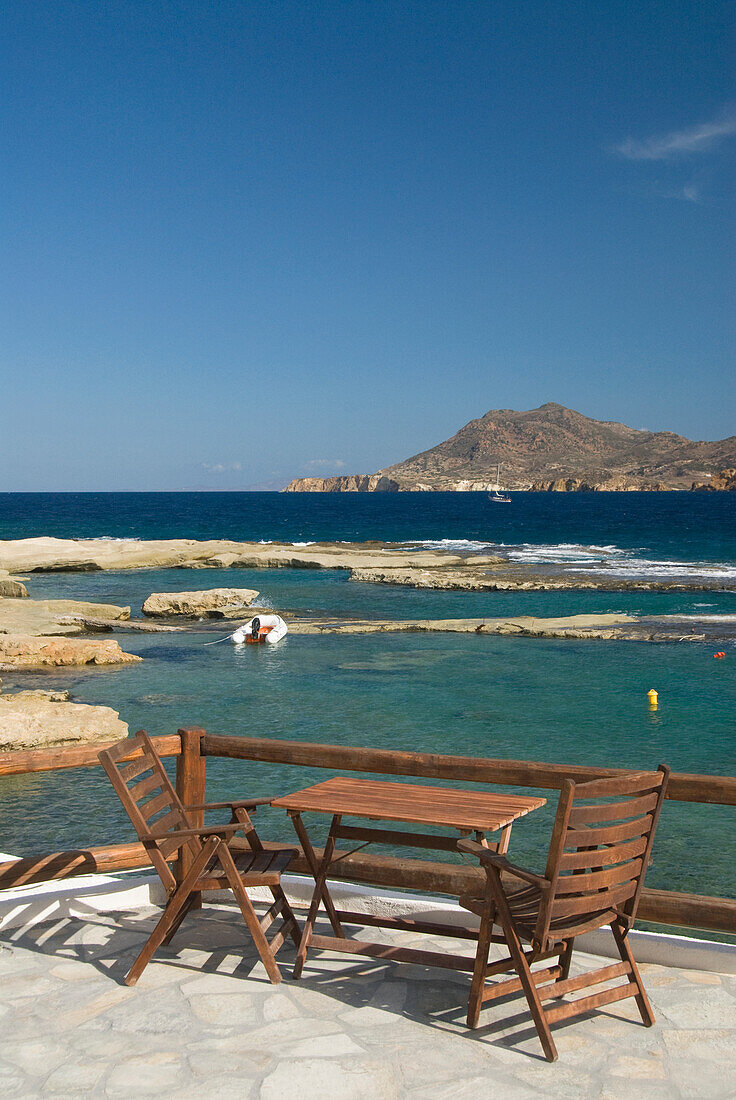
[476,812]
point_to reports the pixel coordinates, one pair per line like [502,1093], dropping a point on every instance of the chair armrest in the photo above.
[489,857]
[236,803]
[206,830]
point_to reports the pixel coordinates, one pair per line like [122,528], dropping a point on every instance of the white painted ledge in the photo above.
[127,891]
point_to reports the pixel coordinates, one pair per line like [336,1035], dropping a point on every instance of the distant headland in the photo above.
[549,449]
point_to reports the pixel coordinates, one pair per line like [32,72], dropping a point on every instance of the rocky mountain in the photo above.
[549,448]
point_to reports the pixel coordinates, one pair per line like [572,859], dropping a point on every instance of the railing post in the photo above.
[190,786]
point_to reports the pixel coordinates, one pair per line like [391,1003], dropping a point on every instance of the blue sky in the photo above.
[248,241]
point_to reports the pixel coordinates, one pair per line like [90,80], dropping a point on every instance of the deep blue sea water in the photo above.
[501,697]
[663,526]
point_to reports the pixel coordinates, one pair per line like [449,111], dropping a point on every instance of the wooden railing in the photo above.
[192,747]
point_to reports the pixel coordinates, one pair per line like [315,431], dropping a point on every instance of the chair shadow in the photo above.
[126,935]
[427,1004]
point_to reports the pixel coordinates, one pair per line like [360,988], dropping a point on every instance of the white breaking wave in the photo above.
[704,618]
[608,560]
[562,553]
[458,545]
[269,542]
[641,567]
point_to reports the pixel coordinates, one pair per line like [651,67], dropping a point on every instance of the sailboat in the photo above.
[497,497]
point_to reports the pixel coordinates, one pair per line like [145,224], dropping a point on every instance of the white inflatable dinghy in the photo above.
[261,628]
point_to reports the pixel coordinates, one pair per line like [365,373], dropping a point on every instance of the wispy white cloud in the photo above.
[322,463]
[681,143]
[220,467]
[687,192]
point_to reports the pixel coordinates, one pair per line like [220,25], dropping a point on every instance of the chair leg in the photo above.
[186,908]
[565,959]
[522,969]
[290,921]
[642,1001]
[475,1000]
[530,989]
[249,914]
[172,910]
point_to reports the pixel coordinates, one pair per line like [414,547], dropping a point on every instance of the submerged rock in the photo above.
[212,603]
[37,719]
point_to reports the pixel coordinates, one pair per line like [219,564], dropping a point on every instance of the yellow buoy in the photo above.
[653,698]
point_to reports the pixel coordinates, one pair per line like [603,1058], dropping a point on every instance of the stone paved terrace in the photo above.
[204,1022]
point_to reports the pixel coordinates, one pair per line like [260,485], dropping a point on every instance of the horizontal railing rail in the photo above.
[717,789]
[73,756]
[192,747]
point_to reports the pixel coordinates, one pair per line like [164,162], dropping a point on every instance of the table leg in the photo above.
[321,892]
[503,844]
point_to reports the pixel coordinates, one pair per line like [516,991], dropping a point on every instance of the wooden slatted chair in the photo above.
[599,852]
[210,856]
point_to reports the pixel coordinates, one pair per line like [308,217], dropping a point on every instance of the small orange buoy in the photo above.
[721,654]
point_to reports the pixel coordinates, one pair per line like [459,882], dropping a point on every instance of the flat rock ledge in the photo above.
[40,617]
[570,626]
[40,719]
[466,577]
[212,603]
[44,555]
[373,562]
[27,651]
[615,627]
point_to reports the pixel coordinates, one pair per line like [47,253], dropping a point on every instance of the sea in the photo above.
[559,701]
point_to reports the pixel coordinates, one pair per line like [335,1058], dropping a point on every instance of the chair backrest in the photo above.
[599,853]
[149,799]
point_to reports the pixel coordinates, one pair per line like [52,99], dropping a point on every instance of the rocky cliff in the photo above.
[349,483]
[547,449]
[723,481]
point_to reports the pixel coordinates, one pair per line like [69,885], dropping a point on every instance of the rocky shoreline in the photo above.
[372,562]
[42,636]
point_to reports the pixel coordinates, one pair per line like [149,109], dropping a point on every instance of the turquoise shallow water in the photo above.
[576,702]
[332,592]
[485,696]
